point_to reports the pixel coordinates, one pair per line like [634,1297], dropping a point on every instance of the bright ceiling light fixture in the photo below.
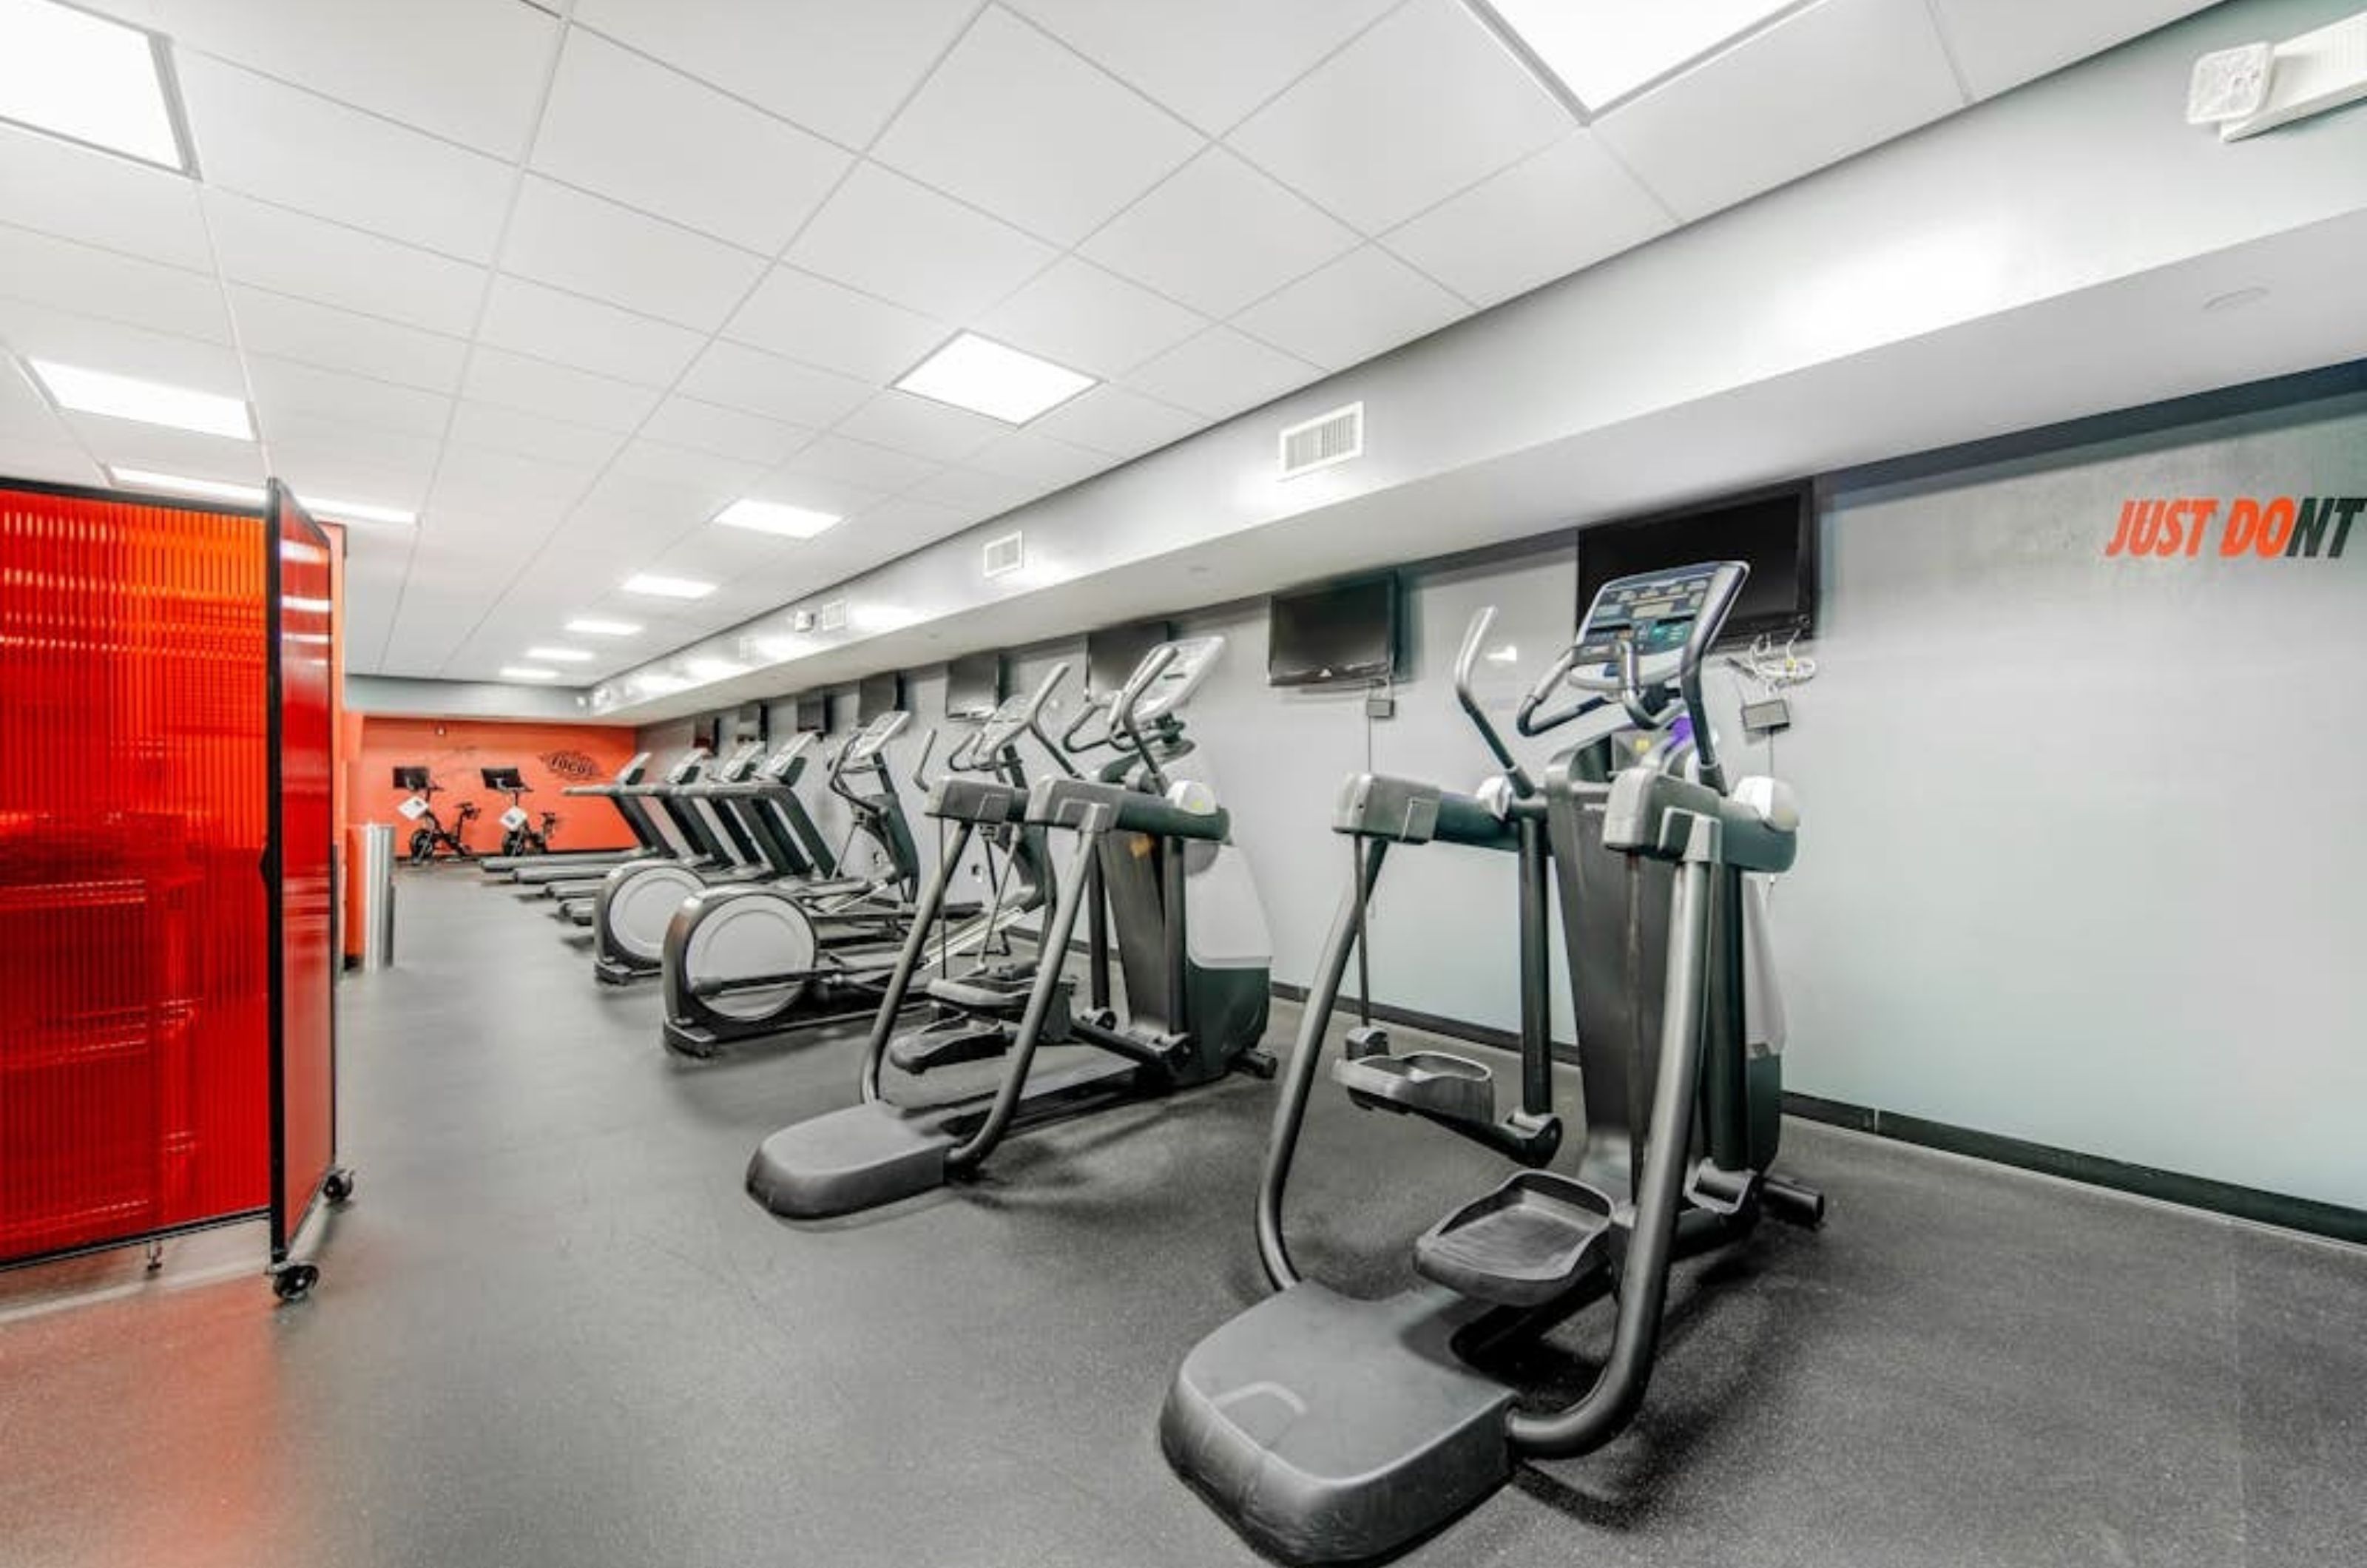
[1600,52]
[89,79]
[657,586]
[978,374]
[559,655]
[527,672]
[772,517]
[589,626]
[146,402]
[179,484]
[361,512]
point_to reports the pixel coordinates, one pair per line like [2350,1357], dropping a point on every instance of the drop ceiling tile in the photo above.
[625,503]
[1216,236]
[289,252]
[56,462]
[1363,304]
[860,463]
[560,391]
[1221,372]
[262,139]
[882,234]
[1550,215]
[79,194]
[820,322]
[832,67]
[651,137]
[1424,104]
[481,482]
[724,432]
[571,330]
[315,475]
[1018,124]
[286,390]
[1821,84]
[1113,420]
[38,332]
[289,328]
[125,444]
[1038,459]
[337,440]
[905,523]
[1078,315]
[588,245]
[975,491]
[25,416]
[742,377]
[65,276]
[515,430]
[816,492]
[662,463]
[2003,43]
[470,69]
[923,428]
[1214,61]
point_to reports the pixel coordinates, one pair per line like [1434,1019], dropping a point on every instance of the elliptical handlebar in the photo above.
[1130,697]
[921,763]
[1477,634]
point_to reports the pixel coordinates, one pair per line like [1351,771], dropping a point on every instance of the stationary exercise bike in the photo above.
[1328,1428]
[429,837]
[522,833]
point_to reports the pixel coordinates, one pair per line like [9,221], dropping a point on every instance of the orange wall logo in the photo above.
[2312,527]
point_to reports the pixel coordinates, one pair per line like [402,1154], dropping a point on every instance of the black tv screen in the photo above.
[879,695]
[1772,532]
[1346,631]
[973,685]
[749,722]
[814,713]
[1112,652]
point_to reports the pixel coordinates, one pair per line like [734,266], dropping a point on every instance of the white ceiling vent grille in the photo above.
[1004,555]
[1334,437]
[831,616]
[801,621]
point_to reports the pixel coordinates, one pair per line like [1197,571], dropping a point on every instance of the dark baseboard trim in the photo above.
[2305,1214]
[117,1244]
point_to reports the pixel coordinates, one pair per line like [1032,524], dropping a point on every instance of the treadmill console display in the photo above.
[1654,611]
[873,735]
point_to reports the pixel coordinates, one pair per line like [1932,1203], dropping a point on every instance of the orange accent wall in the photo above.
[551,756]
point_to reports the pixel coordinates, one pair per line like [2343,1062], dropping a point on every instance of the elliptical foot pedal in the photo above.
[1529,1241]
[941,1044]
[1433,1083]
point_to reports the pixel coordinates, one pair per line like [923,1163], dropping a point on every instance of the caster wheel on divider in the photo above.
[294,1282]
[337,1186]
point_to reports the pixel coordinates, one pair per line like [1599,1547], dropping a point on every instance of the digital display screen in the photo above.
[1347,632]
[814,713]
[1655,613]
[879,695]
[973,685]
[1112,653]
[1773,534]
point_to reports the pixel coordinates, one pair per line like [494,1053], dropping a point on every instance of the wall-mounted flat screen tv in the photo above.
[750,721]
[877,694]
[1337,633]
[1112,652]
[1774,532]
[814,713]
[973,685]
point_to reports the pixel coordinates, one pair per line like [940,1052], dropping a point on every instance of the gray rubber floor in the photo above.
[552,1330]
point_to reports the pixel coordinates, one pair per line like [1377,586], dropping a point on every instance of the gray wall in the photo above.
[2065,874]
[406,697]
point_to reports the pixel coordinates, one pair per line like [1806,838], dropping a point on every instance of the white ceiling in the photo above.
[570,278]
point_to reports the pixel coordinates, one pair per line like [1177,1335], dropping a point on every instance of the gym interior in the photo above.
[1039,782]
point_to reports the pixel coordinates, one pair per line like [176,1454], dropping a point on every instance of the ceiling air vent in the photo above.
[1318,443]
[801,621]
[1004,555]
[831,616]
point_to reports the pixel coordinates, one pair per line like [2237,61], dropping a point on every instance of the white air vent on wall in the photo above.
[1004,555]
[831,616]
[801,621]
[1318,443]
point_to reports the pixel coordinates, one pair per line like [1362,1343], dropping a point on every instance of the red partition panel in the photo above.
[304,750]
[135,965]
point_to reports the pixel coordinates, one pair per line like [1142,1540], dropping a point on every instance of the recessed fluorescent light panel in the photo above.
[211,490]
[88,79]
[658,587]
[772,517]
[1603,49]
[559,655]
[978,374]
[527,672]
[147,402]
[588,626]
[358,511]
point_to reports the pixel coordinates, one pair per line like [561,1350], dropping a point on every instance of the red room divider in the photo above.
[141,990]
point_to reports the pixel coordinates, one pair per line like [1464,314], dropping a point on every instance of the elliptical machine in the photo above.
[429,837]
[1189,933]
[1327,1428]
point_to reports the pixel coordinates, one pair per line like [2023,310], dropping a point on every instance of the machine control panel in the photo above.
[1657,613]
[1195,656]
[875,735]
